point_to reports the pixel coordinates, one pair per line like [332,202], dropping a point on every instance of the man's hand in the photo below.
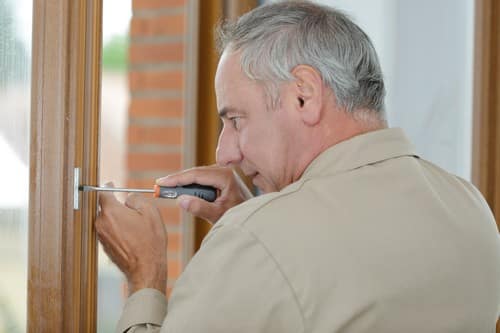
[232,190]
[134,237]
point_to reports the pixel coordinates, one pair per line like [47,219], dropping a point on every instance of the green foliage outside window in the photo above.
[13,54]
[114,54]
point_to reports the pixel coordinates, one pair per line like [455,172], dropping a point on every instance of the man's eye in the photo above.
[236,122]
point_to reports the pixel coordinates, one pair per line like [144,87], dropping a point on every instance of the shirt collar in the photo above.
[361,150]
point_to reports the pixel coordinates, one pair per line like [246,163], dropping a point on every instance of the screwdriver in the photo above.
[207,193]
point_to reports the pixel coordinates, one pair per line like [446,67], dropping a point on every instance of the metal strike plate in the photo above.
[76,192]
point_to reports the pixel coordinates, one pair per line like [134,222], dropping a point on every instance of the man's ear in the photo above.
[308,88]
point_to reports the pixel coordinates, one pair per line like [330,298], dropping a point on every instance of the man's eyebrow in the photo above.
[224,111]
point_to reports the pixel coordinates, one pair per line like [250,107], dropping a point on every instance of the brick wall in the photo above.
[157,71]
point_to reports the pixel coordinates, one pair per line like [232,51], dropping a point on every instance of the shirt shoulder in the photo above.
[299,208]
[241,214]
[236,275]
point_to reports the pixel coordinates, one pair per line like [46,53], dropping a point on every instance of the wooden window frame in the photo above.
[486,110]
[62,288]
[208,123]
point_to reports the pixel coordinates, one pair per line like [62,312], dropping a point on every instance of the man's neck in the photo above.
[336,127]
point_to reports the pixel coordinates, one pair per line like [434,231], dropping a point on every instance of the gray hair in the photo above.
[272,39]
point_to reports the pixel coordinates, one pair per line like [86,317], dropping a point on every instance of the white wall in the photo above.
[425,49]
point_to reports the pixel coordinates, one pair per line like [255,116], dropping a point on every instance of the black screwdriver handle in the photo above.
[207,193]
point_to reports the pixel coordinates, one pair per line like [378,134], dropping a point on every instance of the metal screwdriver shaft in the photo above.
[87,188]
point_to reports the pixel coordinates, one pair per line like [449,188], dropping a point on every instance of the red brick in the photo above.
[149,161]
[156,4]
[174,242]
[155,53]
[144,52]
[154,135]
[171,215]
[165,25]
[156,80]
[168,108]
[174,269]
[140,183]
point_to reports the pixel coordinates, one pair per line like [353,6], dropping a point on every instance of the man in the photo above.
[354,234]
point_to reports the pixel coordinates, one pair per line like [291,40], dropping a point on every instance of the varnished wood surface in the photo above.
[486,108]
[235,8]
[208,123]
[64,127]
[486,147]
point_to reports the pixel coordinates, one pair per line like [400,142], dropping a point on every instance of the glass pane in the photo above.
[114,108]
[426,51]
[15,74]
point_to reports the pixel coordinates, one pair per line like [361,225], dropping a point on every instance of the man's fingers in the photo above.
[232,191]
[199,207]
[135,201]
[212,176]
[107,199]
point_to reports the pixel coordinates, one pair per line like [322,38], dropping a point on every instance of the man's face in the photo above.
[256,139]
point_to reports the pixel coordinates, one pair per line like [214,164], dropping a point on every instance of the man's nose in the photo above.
[228,150]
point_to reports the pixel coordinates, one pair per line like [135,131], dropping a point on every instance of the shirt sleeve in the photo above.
[144,311]
[233,284]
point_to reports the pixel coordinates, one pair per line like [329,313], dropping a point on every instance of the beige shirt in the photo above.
[370,239]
